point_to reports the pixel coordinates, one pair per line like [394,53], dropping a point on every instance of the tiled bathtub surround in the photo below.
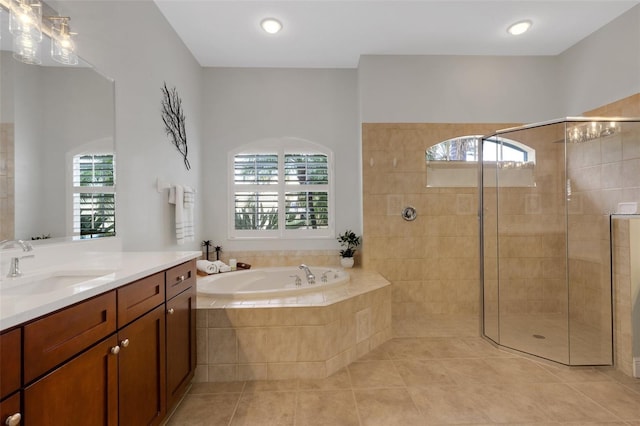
[309,336]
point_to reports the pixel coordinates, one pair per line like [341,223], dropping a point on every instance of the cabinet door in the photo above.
[10,413]
[83,391]
[181,343]
[141,370]
[10,361]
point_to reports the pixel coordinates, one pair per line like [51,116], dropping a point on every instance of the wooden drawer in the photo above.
[138,298]
[180,278]
[10,361]
[57,337]
[10,407]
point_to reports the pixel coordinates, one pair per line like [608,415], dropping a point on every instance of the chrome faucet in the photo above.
[311,279]
[14,267]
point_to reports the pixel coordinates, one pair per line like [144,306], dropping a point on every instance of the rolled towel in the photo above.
[222,267]
[207,267]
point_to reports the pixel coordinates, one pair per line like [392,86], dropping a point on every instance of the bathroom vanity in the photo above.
[123,354]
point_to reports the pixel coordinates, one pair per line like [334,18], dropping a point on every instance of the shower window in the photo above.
[281,189]
[454,162]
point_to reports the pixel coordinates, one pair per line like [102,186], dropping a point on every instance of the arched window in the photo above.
[281,188]
[453,163]
[91,195]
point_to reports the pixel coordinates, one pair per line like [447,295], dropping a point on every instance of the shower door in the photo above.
[548,190]
[524,245]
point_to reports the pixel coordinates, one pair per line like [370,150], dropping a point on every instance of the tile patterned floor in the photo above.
[425,381]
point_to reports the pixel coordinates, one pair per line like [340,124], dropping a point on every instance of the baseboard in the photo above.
[636,367]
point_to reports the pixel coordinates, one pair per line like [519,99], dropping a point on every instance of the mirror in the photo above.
[56,148]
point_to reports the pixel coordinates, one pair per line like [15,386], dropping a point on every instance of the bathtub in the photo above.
[269,282]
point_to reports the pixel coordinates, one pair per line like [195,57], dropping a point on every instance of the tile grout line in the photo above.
[353,395]
[235,408]
[596,402]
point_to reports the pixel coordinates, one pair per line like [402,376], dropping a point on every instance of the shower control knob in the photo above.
[13,420]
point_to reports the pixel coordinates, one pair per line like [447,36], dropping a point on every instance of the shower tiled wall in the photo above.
[623,302]
[433,261]
[7,224]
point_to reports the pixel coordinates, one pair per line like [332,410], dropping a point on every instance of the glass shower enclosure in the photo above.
[547,191]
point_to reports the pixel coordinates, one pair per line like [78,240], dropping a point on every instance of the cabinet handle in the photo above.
[180,278]
[124,343]
[171,311]
[115,350]
[13,420]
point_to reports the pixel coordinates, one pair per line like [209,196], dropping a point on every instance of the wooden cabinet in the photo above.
[181,344]
[142,370]
[83,391]
[115,359]
[10,362]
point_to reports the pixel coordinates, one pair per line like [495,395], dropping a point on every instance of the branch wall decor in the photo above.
[173,119]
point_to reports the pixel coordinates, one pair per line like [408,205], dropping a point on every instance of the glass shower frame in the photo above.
[545,253]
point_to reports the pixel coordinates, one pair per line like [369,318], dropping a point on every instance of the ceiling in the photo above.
[333,34]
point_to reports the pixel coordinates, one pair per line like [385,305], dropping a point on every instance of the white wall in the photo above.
[244,105]
[458,89]
[600,69]
[603,67]
[131,42]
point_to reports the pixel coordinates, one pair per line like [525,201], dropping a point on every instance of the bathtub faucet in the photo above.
[311,279]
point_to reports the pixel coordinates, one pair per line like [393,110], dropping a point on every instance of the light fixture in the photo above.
[586,132]
[519,27]
[25,23]
[63,48]
[271,25]
[26,49]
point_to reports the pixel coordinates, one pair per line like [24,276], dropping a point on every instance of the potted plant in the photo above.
[350,241]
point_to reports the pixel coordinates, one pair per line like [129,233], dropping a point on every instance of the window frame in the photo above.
[280,147]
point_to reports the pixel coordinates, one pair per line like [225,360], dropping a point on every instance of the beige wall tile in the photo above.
[222,346]
[252,372]
[252,345]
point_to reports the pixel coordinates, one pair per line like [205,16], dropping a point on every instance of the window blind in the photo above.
[256,169]
[94,195]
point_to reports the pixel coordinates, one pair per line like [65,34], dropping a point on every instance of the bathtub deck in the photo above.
[361,282]
[307,336]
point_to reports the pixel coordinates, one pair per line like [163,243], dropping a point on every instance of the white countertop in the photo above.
[20,302]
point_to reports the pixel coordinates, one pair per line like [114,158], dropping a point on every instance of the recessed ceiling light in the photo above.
[271,25]
[520,27]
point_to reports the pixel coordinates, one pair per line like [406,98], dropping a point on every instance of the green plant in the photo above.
[351,241]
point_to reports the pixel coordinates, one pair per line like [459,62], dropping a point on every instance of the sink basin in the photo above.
[75,281]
